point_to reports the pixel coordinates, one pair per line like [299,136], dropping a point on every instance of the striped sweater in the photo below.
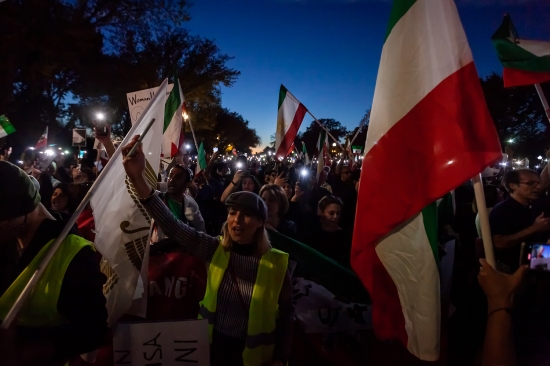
[232,319]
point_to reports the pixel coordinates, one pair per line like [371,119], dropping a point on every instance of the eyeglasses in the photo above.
[531,183]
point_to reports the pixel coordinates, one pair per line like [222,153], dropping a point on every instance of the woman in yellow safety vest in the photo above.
[248,300]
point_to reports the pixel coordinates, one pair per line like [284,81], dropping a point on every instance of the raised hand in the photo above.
[134,165]
[280,181]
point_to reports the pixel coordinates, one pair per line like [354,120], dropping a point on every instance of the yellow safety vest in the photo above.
[264,305]
[40,309]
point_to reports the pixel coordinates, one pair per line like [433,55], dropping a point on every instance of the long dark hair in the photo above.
[239,186]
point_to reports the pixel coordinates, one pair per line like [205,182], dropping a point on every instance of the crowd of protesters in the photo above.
[240,198]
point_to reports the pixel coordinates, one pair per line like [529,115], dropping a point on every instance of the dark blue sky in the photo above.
[326,52]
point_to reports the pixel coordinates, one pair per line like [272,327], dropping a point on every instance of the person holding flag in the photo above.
[65,315]
[248,301]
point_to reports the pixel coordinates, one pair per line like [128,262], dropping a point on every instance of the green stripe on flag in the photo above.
[172,104]
[6,127]
[429,216]
[514,56]
[202,157]
[282,96]
[399,8]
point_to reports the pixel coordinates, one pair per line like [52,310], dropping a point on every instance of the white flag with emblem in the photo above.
[121,222]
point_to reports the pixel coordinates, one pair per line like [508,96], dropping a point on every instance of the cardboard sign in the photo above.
[98,145]
[43,160]
[79,137]
[138,100]
[162,343]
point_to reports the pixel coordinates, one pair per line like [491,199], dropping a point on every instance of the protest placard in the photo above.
[162,343]
[79,137]
[138,100]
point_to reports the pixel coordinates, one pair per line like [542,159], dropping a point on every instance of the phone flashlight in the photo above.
[239,165]
[303,172]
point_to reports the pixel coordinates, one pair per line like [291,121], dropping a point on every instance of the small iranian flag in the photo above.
[6,128]
[525,62]
[201,161]
[290,117]
[304,153]
[172,121]
[322,152]
[43,140]
[429,114]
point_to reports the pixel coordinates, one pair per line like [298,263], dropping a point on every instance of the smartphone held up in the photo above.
[536,256]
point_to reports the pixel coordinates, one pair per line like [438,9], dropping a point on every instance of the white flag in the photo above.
[121,222]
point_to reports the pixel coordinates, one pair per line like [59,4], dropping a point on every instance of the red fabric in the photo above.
[181,279]
[514,77]
[290,135]
[451,124]
[42,142]
[86,225]
[290,150]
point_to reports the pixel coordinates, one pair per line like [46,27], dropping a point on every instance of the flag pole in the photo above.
[484,220]
[327,131]
[192,131]
[363,121]
[29,287]
[543,100]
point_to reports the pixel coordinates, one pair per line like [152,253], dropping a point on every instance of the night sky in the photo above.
[326,52]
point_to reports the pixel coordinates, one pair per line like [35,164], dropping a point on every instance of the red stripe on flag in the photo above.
[290,149]
[292,130]
[514,77]
[447,138]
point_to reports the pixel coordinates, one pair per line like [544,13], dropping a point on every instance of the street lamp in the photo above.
[511,141]
[100,116]
[334,144]
[185,116]
[539,157]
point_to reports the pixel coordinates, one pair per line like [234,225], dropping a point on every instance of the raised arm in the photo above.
[498,348]
[197,243]
[231,187]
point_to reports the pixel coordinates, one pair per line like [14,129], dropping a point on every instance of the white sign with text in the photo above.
[138,100]
[162,343]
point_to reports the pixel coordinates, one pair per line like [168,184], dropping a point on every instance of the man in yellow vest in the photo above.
[65,315]
[248,300]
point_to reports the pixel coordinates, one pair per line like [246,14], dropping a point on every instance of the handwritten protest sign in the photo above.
[138,100]
[162,343]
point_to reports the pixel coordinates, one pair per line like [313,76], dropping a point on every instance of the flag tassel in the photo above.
[484,220]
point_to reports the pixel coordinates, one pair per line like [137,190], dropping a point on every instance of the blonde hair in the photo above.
[261,239]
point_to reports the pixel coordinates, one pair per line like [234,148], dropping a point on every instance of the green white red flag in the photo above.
[322,152]
[43,140]
[201,159]
[429,114]
[289,119]
[173,121]
[6,128]
[304,153]
[525,62]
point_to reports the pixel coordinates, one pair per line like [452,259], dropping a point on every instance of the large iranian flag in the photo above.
[289,119]
[525,62]
[173,121]
[430,116]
